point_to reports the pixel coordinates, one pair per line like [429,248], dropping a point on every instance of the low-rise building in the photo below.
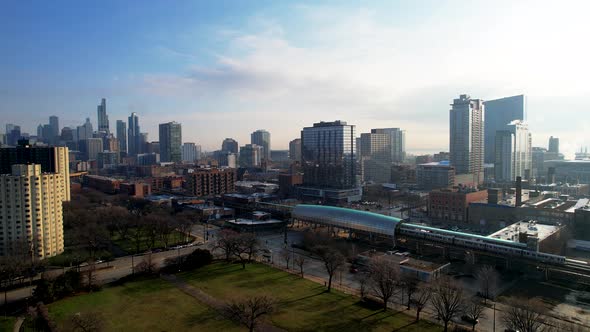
[435,175]
[211,181]
[453,204]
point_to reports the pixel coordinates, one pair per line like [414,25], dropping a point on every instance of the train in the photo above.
[478,242]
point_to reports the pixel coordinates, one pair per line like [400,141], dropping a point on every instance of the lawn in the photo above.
[146,305]
[303,305]
[128,245]
[7,323]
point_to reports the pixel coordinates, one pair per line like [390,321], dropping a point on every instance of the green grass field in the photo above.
[303,305]
[128,245]
[7,323]
[147,305]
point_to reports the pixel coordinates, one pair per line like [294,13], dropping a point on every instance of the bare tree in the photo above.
[245,246]
[226,242]
[333,261]
[286,255]
[447,300]
[420,299]
[384,277]
[363,280]
[86,322]
[409,285]
[299,260]
[92,236]
[474,311]
[251,311]
[487,278]
[525,315]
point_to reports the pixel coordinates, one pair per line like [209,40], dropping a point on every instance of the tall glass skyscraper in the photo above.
[170,142]
[513,152]
[103,118]
[133,135]
[397,142]
[261,138]
[498,114]
[466,139]
[229,145]
[122,135]
[328,155]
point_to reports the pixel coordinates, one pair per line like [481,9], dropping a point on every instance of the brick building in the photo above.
[211,181]
[453,204]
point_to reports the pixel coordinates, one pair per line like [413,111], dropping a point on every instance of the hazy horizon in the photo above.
[226,69]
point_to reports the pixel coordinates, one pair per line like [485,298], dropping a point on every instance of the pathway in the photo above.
[209,300]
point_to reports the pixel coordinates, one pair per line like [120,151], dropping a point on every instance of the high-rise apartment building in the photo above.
[52,160]
[553,144]
[191,152]
[91,147]
[397,142]
[467,136]
[295,150]
[229,145]
[103,118]
[328,155]
[133,135]
[376,157]
[250,155]
[122,135]
[261,138]
[498,114]
[31,210]
[170,142]
[513,152]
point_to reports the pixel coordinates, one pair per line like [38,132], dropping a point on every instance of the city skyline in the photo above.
[388,66]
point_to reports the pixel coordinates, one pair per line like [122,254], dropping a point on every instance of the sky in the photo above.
[228,68]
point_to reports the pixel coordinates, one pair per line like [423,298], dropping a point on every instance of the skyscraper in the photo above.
[261,138]
[513,152]
[122,135]
[328,155]
[467,136]
[170,142]
[229,145]
[554,144]
[85,130]
[397,142]
[250,155]
[133,135]
[498,114]
[191,152]
[54,124]
[103,118]
[376,157]
[295,150]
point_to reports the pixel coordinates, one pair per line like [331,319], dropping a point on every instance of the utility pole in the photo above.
[494,308]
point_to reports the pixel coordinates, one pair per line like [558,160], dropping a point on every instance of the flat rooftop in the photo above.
[511,233]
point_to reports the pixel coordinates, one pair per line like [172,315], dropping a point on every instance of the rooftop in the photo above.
[531,228]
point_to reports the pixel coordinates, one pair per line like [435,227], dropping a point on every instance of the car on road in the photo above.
[353,269]
[469,320]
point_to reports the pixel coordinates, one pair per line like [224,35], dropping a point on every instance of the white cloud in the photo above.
[360,66]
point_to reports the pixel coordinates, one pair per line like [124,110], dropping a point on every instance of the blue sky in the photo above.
[227,68]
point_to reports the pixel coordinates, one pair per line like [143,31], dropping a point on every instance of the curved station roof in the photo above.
[347,218]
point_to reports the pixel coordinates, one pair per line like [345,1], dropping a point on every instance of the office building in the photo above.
[143,144]
[211,181]
[435,175]
[513,152]
[31,211]
[498,114]
[554,144]
[295,150]
[91,147]
[191,152]
[103,118]
[467,136]
[54,124]
[148,159]
[397,142]
[67,135]
[225,158]
[51,159]
[85,131]
[13,134]
[133,135]
[107,159]
[376,157]
[229,145]
[261,138]
[122,135]
[250,155]
[329,163]
[170,142]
